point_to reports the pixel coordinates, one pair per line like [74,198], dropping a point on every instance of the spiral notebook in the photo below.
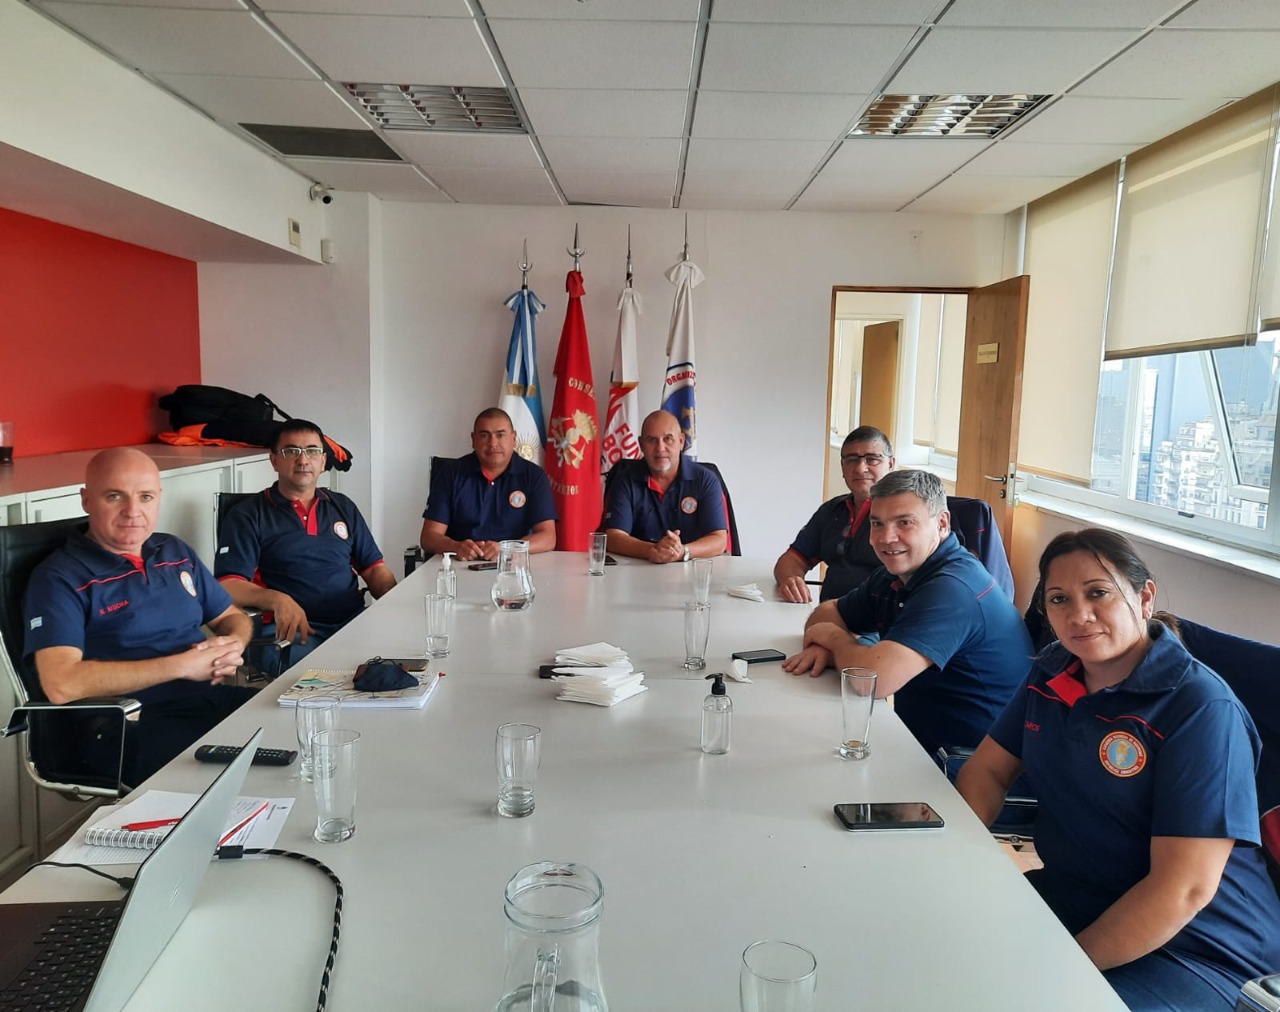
[156,813]
[338,682]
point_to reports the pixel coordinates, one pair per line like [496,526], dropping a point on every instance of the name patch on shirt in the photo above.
[188,583]
[688,504]
[340,529]
[516,499]
[37,622]
[117,606]
[1122,754]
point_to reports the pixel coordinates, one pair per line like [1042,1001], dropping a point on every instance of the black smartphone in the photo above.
[891,815]
[609,560]
[756,656]
[478,567]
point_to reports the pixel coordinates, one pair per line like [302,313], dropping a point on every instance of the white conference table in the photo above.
[699,855]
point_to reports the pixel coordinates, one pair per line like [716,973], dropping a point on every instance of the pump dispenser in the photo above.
[447,577]
[717,718]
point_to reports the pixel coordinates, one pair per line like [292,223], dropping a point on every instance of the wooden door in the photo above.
[879,389]
[991,397]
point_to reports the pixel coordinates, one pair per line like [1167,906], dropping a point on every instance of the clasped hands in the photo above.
[213,660]
[817,654]
[668,548]
[471,551]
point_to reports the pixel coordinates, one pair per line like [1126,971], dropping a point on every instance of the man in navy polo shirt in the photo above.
[296,549]
[118,612]
[488,496]
[953,649]
[672,512]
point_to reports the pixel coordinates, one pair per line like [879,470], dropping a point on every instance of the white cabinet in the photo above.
[54,504]
[254,473]
[186,505]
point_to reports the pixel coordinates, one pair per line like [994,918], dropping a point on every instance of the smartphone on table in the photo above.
[757,656]
[889,815]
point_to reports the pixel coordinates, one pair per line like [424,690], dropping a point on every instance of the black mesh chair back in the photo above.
[223,504]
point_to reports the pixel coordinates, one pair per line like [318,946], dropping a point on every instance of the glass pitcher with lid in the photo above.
[513,586]
[553,923]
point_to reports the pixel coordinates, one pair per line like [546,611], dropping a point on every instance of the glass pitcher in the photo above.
[513,586]
[553,922]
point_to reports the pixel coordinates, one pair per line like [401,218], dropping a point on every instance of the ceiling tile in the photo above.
[1111,120]
[1010,159]
[819,59]
[799,157]
[1191,64]
[746,190]
[1056,14]
[625,189]
[509,152]
[414,8]
[496,186]
[596,54]
[158,40]
[986,194]
[755,115]
[568,112]
[1230,14]
[1003,61]
[865,193]
[595,10]
[265,100]
[611,154]
[390,182]
[221,5]
[902,156]
[826,12]
[392,50]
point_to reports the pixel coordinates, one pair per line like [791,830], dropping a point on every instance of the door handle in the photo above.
[1002,479]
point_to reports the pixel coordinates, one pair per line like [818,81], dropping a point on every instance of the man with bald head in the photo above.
[672,511]
[118,612]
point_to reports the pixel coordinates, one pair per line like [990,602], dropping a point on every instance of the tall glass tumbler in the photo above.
[597,551]
[697,627]
[700,575]
[857,700]
[311,715]
[334,754]
[438,612]
[518,750]
[777,977]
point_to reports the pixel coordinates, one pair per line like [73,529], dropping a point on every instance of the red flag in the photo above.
[573,448]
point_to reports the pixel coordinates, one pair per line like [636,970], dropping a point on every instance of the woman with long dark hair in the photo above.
[1144,762]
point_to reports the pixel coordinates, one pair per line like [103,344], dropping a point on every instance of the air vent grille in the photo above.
[439,108]
[943,115]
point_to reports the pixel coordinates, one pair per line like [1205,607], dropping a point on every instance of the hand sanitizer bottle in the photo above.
[717,718]
[447,577]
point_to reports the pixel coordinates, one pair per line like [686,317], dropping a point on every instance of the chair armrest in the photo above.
[18,724]
[414,556]
[1261,994]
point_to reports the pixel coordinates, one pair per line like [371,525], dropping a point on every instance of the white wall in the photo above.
[762,319]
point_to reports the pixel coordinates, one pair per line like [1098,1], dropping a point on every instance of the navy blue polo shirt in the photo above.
[471,506]
[1170,751]
[693,504]
[86,597]
[839,534]
[952,612]
[314,560]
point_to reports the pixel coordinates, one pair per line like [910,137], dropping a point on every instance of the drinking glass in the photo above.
[518,749]
[777,977]
[334,755]
[596,554]
[700,573]
[439,611]
[697,627]
[857,698]
[311,715]
[6,442]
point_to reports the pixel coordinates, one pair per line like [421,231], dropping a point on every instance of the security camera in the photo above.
[322,193]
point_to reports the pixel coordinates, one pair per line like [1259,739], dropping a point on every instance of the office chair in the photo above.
[733,544]
[976,528]
[55,733]
[265,655]
[415,555]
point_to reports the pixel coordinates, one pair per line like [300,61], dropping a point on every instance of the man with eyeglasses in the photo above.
[296,550]
[491,495]
[672,511]
[837,533]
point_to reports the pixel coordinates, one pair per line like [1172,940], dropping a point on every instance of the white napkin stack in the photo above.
[748,592]
[598,673]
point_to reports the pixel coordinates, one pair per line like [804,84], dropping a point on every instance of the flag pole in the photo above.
[629,274]
[577,252]
[525,267]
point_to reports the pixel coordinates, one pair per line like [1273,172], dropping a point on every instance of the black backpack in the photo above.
[194,404]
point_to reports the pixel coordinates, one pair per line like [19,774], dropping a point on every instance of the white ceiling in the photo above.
[706,104]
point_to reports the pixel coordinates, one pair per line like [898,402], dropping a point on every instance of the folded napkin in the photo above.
[602,654]
[603,687]
[738,671]
[748,592]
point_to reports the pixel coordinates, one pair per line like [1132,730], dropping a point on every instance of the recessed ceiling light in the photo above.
[442,108]
[943,115]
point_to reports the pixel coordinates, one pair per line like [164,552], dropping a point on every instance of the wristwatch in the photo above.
[687,555]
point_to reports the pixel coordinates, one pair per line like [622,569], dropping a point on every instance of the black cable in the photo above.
[230,853]
[123,882]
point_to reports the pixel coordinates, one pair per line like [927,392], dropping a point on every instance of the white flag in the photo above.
[622,421]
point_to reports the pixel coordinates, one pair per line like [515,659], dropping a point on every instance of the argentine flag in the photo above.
[521,395]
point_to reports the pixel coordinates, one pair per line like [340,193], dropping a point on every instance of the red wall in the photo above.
[92,330]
